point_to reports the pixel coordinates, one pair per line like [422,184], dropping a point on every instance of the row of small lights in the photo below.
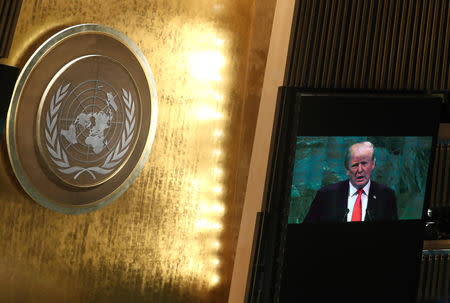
[206,68]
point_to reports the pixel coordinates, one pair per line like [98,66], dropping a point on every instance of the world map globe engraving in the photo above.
[92,119]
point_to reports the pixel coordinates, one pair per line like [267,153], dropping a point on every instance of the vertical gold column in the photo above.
[273,78]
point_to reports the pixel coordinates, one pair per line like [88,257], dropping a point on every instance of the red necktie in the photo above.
[357,213]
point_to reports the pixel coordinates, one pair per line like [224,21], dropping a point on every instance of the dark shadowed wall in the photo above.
[373,44]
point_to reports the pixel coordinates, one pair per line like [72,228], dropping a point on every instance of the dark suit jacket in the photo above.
[330,204]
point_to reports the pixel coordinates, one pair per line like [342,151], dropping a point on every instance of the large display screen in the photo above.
[346,195]
[325,180]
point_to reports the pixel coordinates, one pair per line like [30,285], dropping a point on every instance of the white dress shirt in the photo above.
[352,195]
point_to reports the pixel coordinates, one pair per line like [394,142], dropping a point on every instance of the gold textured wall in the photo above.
[171,237]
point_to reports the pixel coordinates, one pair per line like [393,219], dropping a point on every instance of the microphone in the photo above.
[368,215]
[344,219]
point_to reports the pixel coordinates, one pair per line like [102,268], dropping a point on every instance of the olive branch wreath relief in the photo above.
[59,156]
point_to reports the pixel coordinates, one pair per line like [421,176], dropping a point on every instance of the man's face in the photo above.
[360,166]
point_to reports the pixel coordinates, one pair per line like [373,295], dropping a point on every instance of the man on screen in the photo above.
[358,198]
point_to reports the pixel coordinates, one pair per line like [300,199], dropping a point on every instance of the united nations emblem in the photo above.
[93,131]
[86,129]
[94,121]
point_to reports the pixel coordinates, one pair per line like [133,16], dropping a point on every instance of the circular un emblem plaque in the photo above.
[82,119]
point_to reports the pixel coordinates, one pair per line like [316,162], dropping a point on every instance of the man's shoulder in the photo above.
[334,187]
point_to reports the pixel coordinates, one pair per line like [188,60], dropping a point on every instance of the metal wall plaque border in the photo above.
[29,67]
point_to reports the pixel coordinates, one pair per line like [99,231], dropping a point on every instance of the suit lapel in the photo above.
[371,201]
[342,201]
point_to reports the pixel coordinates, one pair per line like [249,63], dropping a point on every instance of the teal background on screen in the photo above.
[401,163]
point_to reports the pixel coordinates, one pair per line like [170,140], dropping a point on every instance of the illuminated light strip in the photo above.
[215,279]
[218,133]
[218,41]
[217,171]
[206,113]
[218,208]
[218,97]
[204,224]
[212,208]
[205,67]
